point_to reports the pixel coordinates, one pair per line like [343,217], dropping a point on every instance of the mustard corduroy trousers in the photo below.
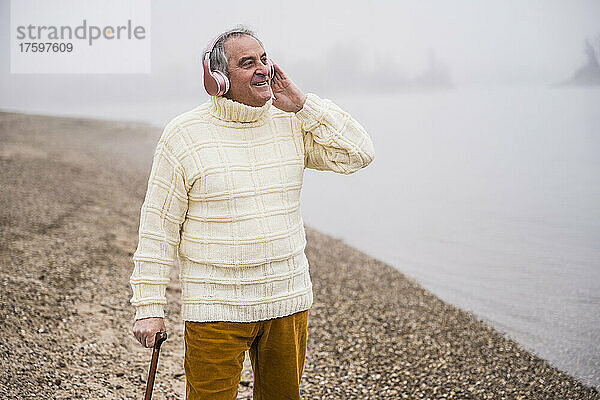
[214,357]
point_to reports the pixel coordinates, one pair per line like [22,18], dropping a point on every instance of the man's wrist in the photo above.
[300,104]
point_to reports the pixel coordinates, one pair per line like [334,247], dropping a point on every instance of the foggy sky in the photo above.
[479,42]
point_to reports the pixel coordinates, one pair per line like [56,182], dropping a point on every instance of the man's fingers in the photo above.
[145,330]
[145,337]
[150,340]
[139,336]
[278,71]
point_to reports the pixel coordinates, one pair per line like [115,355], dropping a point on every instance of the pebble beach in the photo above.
[70,197]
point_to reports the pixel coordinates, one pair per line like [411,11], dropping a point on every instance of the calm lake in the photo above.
[490,198]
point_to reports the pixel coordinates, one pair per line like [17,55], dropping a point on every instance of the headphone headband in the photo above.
[211,46]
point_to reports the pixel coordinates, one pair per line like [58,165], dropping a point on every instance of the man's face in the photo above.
[249,81]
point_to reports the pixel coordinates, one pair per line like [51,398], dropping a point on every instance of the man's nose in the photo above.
[263,69]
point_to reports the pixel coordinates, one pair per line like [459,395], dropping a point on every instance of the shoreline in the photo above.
[71,193]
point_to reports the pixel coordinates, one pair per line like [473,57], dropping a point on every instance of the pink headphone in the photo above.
[215,82]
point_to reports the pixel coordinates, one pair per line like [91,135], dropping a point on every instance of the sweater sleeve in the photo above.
[163,211]
[333,140]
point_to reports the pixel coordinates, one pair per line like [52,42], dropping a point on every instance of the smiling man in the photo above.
[223,199]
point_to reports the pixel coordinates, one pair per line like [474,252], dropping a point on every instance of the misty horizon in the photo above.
[381,48]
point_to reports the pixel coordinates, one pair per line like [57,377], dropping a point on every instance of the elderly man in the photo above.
[224,199]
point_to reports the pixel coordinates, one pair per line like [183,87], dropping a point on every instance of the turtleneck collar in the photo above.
[230,111]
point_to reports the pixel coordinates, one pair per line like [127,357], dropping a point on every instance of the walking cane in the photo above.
[158,339]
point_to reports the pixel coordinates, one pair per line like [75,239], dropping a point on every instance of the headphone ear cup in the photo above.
[222,81]
[215,82]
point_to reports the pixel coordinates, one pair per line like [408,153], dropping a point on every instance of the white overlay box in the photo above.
[80,37]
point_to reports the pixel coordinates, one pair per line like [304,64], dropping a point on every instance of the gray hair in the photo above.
[218,58]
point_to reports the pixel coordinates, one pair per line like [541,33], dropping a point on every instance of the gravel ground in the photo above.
[71,192]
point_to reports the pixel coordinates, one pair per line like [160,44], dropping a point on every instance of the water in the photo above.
[488,197]
[491,200]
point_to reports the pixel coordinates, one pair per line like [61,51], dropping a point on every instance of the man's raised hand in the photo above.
[287,95]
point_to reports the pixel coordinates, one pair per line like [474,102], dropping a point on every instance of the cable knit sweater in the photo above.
[223,199]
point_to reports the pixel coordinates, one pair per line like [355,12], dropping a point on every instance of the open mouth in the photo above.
[265,83]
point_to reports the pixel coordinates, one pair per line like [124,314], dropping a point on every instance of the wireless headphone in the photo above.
[215,82]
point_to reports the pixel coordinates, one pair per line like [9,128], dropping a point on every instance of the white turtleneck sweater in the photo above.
[224,199]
